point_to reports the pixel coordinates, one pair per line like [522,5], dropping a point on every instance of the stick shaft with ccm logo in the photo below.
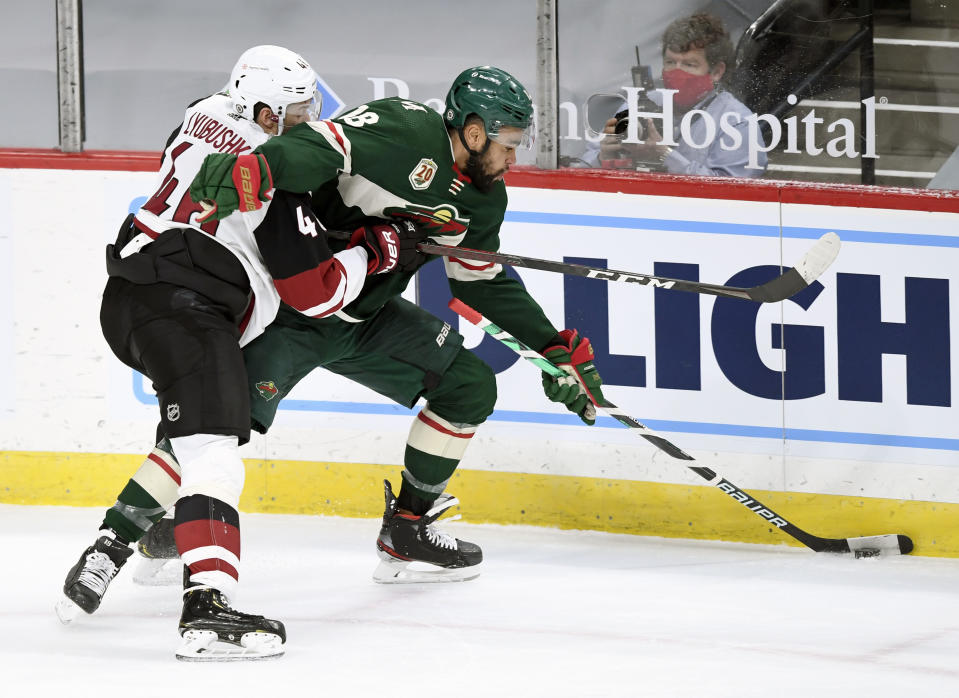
[864,546]
[816,260]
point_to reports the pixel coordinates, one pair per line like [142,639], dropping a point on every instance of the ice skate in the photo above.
[159,562]
[214,632]
[412,550]
[88,580]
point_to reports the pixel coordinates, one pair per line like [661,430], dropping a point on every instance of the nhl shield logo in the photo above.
[173,411]
[267,390]
[422,175]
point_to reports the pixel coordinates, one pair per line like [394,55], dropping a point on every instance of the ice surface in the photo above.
[555,613]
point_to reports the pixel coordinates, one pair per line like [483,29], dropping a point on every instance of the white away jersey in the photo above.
[209,126]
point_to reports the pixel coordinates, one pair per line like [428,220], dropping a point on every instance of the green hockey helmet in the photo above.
[498,99]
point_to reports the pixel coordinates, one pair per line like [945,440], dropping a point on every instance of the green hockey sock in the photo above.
[147,496]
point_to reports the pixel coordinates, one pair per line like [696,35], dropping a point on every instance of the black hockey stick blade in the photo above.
[868,546]
[816,260]
[794,280]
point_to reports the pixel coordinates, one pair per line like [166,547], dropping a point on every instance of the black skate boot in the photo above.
[406,539]
[213,632]
[158,542]
[87,582]
[159,563]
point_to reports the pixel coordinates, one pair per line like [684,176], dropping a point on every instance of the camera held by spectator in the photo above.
[621,119]
[692,125]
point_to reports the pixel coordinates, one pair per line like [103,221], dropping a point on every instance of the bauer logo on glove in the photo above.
[229,183]
[390,246]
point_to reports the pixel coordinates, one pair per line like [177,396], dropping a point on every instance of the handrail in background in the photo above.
[70,74]
[547,85]
[867,85]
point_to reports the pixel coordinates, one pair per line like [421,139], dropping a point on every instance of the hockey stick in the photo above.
[809,268]
[866,546]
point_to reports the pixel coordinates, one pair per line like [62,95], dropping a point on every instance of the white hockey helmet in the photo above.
[275,76]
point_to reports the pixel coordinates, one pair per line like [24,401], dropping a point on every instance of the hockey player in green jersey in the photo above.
[396,158]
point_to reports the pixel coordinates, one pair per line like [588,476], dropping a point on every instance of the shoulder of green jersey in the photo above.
[396,116]
[336,137]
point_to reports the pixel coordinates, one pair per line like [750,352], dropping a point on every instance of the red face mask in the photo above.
[691,87]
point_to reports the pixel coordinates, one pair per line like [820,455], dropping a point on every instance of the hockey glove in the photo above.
[573,354]
[227,183]
[390,246]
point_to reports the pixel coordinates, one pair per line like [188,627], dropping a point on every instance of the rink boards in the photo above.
[835,407]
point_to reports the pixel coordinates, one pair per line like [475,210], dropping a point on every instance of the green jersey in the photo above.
[392,158]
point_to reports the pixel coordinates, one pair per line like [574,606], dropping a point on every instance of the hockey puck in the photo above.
[867,552]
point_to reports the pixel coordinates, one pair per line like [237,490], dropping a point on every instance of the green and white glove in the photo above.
[228,183]
[573,354]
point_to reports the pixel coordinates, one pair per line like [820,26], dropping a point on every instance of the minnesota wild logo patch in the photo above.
[267,390]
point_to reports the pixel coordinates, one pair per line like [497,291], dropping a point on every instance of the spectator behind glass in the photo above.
[696,54]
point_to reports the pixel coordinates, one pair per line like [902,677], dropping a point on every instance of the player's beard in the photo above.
[479,171]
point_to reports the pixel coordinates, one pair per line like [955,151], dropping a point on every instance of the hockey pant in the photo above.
[404,353]
[187,344]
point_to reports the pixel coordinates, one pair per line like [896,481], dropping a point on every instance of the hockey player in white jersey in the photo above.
[270,88]
[225,122]
[181,301]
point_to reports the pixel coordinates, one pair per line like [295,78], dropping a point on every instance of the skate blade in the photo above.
[67,611]
[203,646]
[393,571]
[158,572]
